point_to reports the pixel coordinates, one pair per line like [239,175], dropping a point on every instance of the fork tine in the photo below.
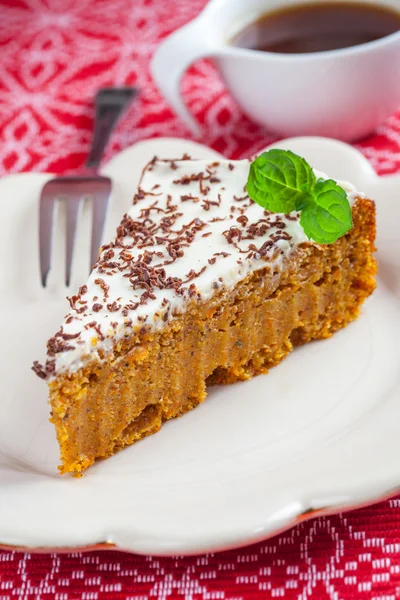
[100,208]
[72,191]
[73,206]
[46,215]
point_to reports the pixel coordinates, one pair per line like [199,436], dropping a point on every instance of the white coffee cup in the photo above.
[342,93]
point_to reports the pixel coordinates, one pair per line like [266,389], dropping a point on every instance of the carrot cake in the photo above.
[200,286]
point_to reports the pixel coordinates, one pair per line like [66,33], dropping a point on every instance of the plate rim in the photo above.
[303,517]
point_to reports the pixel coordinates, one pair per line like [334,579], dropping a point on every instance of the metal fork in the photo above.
[110,104]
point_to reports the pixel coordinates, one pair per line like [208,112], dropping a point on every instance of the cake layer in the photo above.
[152,374]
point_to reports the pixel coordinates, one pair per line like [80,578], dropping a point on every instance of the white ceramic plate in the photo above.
[319,434]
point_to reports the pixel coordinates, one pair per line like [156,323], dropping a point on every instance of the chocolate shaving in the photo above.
[109,254]
[68,336]
[243,220]
[187,197]
[94,325]
[56,344]
[103,286]
[39,369]
[113,307]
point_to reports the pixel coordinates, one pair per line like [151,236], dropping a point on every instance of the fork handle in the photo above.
[110,104]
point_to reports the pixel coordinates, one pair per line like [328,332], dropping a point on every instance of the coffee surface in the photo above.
[318,27]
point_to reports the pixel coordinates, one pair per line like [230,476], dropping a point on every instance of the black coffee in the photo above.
[318,27]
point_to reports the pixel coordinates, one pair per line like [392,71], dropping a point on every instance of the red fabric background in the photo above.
[54,55]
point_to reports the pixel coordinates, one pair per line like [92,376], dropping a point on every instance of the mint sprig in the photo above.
[281,181]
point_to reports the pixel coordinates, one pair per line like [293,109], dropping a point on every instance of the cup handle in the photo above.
[171,60]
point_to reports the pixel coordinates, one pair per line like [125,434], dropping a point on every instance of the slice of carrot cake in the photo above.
[203,285]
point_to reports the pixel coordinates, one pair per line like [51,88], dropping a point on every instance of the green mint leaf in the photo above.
[329,216]
[280,181]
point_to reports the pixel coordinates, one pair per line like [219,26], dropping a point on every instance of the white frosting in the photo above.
[218,199]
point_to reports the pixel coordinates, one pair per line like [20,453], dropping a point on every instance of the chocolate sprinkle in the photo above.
[39,369]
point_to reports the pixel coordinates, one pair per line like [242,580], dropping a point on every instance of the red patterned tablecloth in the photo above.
[54,55]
